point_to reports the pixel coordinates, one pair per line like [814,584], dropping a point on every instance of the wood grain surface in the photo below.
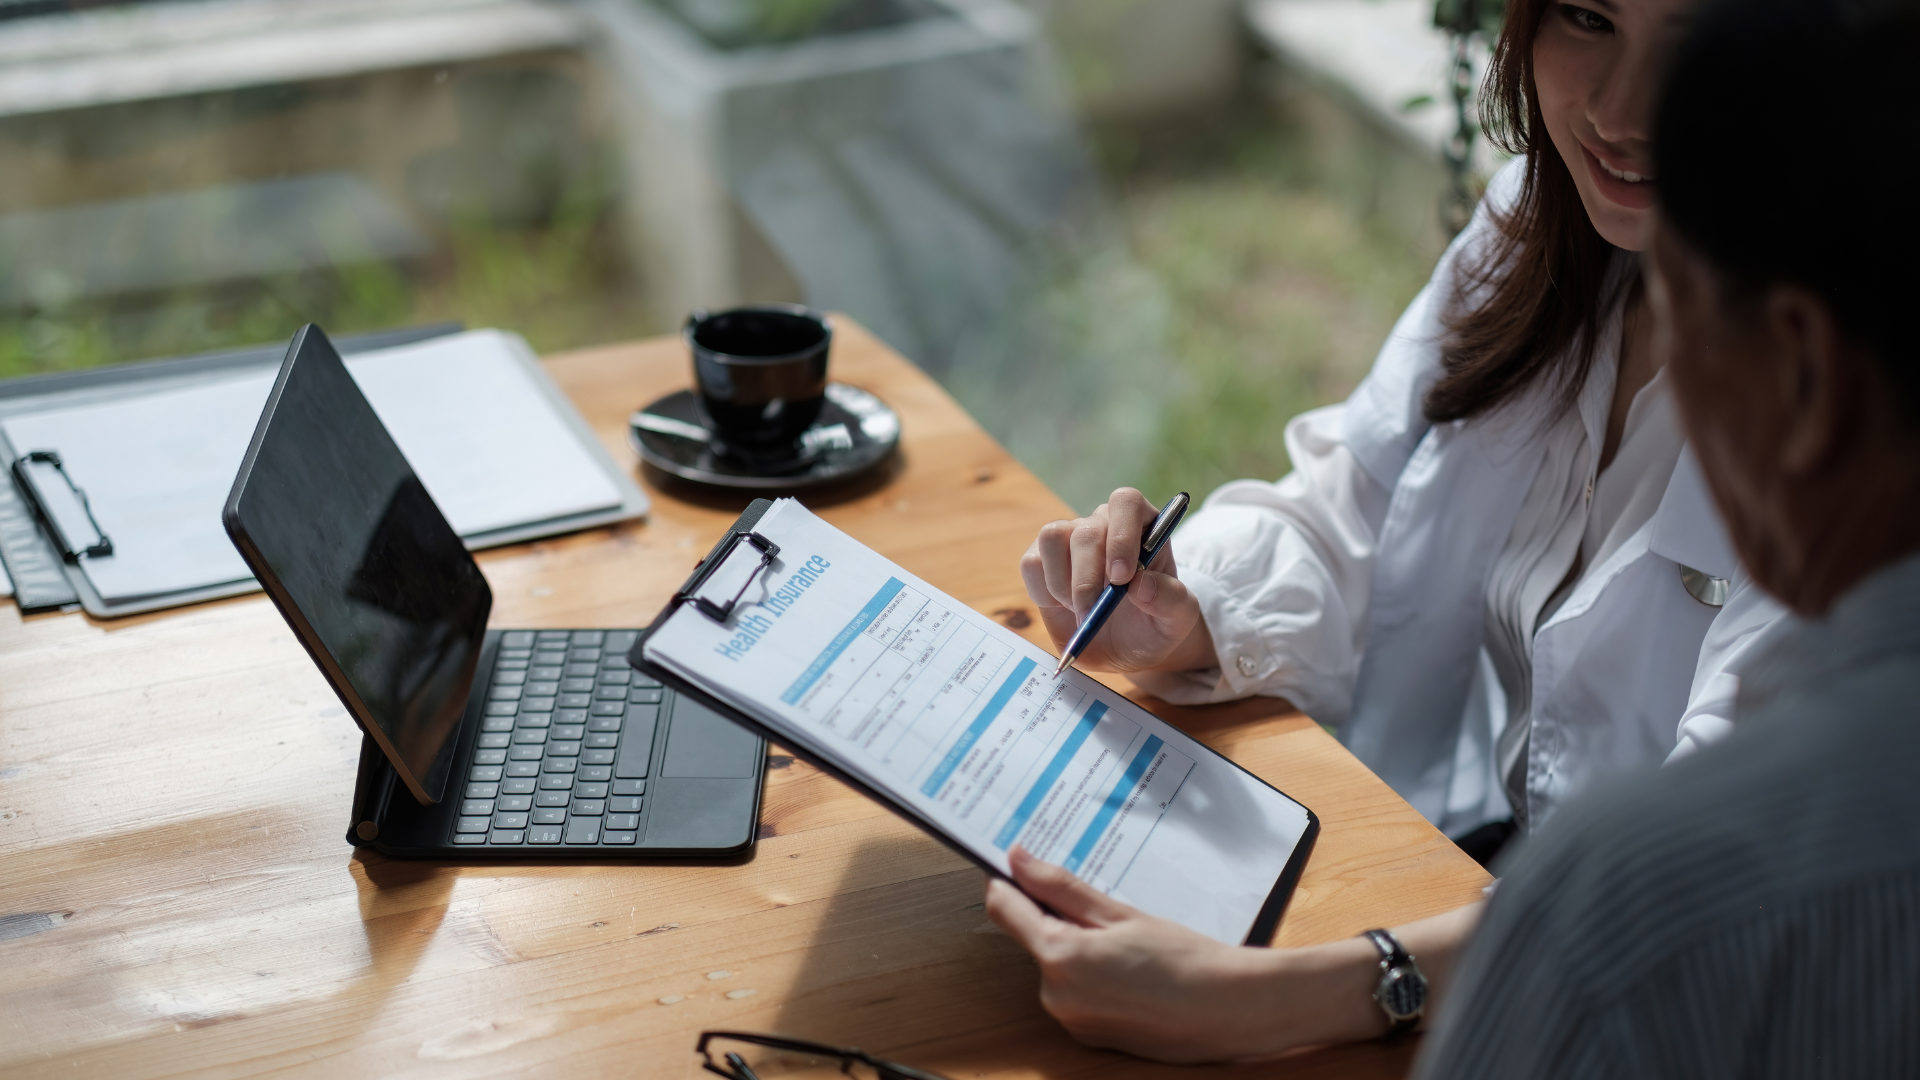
[176,897]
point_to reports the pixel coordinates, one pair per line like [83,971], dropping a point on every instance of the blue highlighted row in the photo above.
[1089,721]
[977,728]
[1135,769]
[841,640]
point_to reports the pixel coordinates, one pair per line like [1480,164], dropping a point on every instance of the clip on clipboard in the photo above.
[694,592]
[62,504]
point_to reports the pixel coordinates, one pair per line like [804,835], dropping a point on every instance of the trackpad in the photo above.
[701,742]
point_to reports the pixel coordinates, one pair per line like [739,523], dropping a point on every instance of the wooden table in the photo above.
[176,896]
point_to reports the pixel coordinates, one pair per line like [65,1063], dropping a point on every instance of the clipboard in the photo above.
[42,509]
[1265,922]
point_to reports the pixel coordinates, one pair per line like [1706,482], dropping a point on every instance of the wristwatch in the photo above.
[1402,992]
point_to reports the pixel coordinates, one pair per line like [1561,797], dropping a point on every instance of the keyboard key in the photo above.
[602,740]
[547,657]
[568,731]
[583,653]
[494,740]
[590,638]
[610,692]
[530,736]
[497,723]
[563,748]
[615,707]
[515,654]
[544,689]
[619,641]
[575,700]
[589,790]
[510,663]
[536,704]
[544,834]
[501,708]
[646,695]
[605,723]
[629,787]
[594,773]
[476,806]
[516,639]
[546,672]
[509,678]
[489,757]
[555,782]
[583,830]
[559,764]
[620,676]
[589,807]
[618,837]
[570,716]
[505,836]
[622,821]
[469,838]
[624,804]
[636,742]
[560,636]
[514,802]
[560,799]
[484,772]
[526,753]
[550,815]
[510,821]
[517,783]
[581,671]
[471,824]
[482,791]
[504,693]
[576,685]
[536,720]
[518,769]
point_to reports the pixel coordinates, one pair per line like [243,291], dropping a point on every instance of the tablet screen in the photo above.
[334,523]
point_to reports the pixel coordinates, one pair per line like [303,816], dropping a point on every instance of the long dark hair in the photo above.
[1541,285]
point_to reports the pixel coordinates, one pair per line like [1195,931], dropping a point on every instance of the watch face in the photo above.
[1402,992]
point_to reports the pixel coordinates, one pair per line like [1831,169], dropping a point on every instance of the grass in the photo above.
[562,285]
[1279,289]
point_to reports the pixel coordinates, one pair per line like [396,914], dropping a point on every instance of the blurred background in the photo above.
[1133,237]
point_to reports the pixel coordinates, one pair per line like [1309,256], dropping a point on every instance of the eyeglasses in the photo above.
[717,575]
[747,1056]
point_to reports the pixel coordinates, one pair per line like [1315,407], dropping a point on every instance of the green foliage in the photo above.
[562,284]
[1279,292]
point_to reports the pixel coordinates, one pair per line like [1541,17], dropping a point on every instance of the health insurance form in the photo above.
[961,721]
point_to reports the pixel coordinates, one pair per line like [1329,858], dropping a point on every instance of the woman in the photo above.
[1494,568]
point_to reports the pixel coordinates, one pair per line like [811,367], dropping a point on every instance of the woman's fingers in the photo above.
[1162,597]
[1056,561]
[1087,546]
[1067,896]
[1012,911]
[1128,515]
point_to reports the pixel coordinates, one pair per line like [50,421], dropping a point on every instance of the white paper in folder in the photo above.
[489,445]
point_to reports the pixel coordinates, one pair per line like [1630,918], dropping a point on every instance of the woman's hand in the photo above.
[1118,978]
[1157,627]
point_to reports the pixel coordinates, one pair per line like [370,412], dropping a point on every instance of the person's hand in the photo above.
[1118,978]
[1157,626]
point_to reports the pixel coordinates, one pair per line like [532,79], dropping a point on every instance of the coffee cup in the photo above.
[761,372]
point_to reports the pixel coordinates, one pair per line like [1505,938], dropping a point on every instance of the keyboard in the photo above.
[564,745]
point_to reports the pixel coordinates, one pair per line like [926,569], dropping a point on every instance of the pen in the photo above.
[1150,546]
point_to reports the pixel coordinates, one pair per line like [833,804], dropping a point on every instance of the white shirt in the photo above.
[1407,582]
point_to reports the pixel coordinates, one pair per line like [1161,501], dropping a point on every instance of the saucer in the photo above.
[855,432]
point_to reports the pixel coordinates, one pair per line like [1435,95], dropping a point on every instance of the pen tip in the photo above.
[1065,659]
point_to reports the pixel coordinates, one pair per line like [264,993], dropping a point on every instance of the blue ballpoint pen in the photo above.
[1110,596]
